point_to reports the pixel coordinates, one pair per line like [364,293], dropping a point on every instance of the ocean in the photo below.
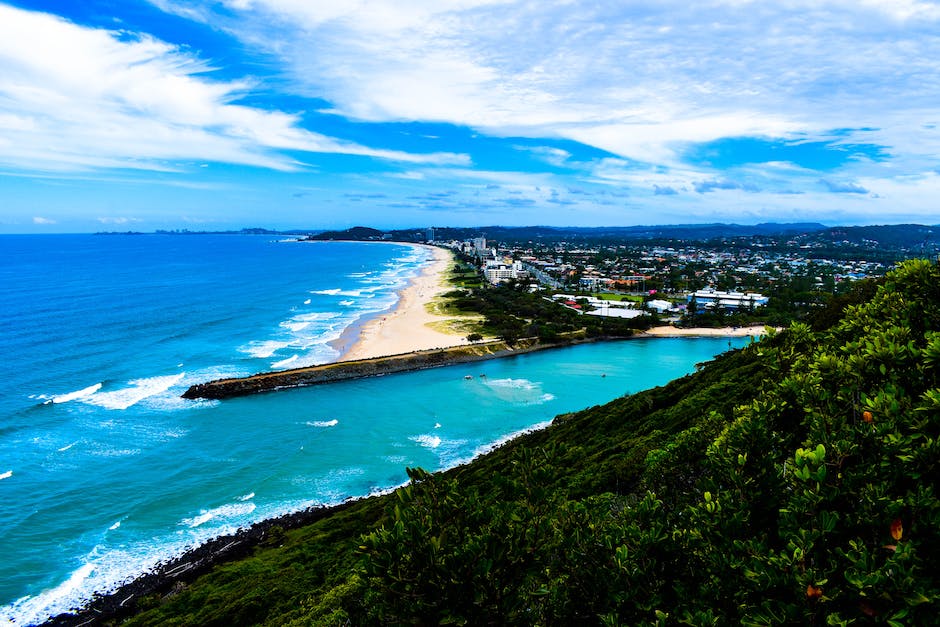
[105,471]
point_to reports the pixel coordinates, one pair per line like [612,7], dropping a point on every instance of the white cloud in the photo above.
[640,80]
[42,220]
[117,220]
[77,97]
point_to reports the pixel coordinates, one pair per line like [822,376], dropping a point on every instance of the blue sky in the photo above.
[217,114]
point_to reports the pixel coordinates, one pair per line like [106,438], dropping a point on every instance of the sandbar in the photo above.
[407,328]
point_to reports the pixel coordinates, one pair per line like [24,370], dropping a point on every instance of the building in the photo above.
[710,298]
[429,236]
[498,271]
[659,306]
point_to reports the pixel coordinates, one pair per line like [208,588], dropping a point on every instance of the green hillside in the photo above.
[795,481]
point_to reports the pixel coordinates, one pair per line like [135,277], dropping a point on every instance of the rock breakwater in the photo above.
[347,370]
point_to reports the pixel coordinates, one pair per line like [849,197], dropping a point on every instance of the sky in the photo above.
[138,115]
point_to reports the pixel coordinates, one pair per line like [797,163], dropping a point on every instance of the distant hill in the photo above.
[883,242]
[357,233]
[908,236]
[698,232]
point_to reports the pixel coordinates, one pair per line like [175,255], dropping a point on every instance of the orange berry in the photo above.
[812,592]
[897,529]
[867,417]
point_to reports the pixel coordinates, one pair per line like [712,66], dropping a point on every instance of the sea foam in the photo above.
[139,390]
[231,510]
[427,440]
[263,350]
[71,396]
[284,362]
[323,423]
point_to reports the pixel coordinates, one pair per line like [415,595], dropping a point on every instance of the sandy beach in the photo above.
[670,331]
[409,326]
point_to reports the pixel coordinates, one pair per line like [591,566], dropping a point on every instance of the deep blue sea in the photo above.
[105,471]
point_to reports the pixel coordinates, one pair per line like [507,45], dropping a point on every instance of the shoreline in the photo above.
[671,331]
[404,328]
[164,577]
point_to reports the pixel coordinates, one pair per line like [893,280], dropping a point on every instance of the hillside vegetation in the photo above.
[795,481]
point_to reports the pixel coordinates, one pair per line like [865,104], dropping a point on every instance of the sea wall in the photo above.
[347,370]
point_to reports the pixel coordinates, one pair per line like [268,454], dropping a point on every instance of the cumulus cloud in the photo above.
[638,82]
[79,97]
[704,187]
[42,220]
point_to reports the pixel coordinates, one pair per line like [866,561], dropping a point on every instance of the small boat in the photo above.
[468,377]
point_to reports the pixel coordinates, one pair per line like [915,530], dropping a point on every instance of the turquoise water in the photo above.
[119,472]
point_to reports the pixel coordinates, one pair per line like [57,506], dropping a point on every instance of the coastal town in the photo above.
[684,282]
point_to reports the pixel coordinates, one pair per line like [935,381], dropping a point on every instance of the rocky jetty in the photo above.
[347,370]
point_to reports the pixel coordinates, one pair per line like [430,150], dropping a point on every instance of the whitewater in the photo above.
[105,471]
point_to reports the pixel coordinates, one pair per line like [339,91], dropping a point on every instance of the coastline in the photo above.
[406,328]
[122,602]
[671,331]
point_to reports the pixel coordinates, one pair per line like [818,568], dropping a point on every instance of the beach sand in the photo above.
[408,327]
[670,331]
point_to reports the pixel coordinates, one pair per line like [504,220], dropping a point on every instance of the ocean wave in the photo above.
[139,390]
[313,316]
[427,440]
[103,570]
[72,396]
[30,610]
[291,325]
[6,475]
[230,510]
[323,423]
[285,362]
[491,446]
[68,446]
[247,497]
[263,350]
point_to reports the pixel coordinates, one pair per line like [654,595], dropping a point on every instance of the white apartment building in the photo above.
[497,271]
[710,297]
